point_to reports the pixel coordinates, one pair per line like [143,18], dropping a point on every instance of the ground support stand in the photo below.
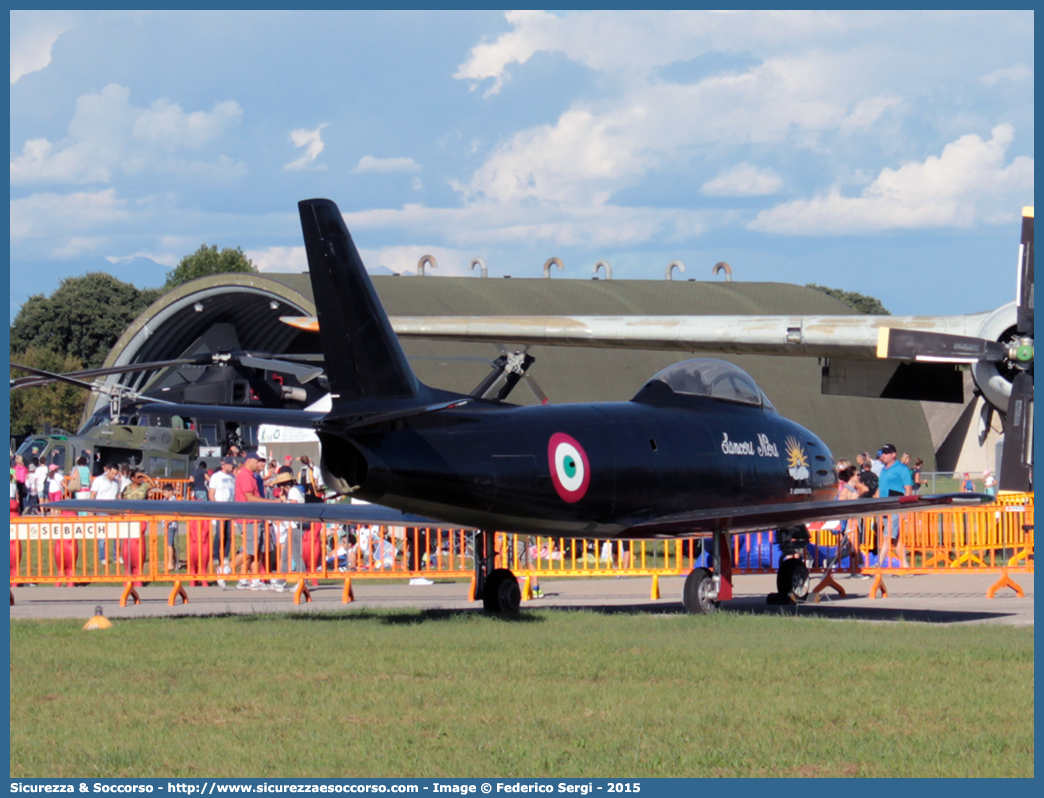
[129,591]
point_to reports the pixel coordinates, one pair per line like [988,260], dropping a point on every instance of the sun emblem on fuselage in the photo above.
[797,460]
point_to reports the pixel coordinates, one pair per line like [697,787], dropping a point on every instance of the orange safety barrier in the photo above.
[165,547]
[995,538]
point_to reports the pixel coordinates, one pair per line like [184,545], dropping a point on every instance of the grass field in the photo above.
[556,693]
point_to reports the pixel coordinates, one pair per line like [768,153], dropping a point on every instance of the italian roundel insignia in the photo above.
[570,469]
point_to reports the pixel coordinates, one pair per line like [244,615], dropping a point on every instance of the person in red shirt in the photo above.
[247,531]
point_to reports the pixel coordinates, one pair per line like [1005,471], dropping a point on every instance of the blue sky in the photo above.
[886,153]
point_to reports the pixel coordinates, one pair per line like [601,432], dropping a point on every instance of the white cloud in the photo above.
[404,259]
[279,259]
[368,163]
[638,43]
[312,141]
[107,135]
[968,183]
[1014,74]
[77,245]
[33,34]
[167,124]
[398,259]
[743,180]
[481,224]
[594,150]
[60,220]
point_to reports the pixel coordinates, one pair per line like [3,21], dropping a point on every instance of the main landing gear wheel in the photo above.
[502,593]
[698,591]
[792,578]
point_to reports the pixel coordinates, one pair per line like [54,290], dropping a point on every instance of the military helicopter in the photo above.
[166,445]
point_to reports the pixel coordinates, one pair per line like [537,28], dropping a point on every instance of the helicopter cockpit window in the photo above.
[716,379]
[208,434]
[32,447]
[97,420]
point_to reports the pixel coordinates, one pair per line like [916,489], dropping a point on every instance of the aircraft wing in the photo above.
[853,336]
[774,516]
[259,511]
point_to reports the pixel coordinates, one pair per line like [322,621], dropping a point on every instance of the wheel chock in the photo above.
[827,581]
[776,599]
[12,597]
[302,590]
[1003,582]
[471,590]
[348,596]
[177,591]
[129,590]
[878,584]
[527,589]
[654,591]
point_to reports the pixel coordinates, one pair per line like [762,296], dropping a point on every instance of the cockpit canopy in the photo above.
[709,377]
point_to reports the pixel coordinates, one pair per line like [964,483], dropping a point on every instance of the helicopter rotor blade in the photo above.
[49,376]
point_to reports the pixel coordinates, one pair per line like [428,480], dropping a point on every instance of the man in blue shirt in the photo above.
[199,481]
[895,480]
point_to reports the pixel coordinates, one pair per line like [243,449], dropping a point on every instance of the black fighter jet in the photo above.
[699,452]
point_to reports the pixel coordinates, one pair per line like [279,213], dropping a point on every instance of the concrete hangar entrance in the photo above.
[242,312]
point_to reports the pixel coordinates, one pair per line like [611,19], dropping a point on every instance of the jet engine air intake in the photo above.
[343,466]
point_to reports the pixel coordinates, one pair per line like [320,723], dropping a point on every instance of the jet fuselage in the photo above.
[583,470]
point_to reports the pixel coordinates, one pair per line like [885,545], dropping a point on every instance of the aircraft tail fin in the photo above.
[364,361]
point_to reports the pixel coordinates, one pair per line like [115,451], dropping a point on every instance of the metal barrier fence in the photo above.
[168,548]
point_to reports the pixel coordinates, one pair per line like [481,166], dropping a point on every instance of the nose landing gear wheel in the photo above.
[696,595]
[792,578]
[502,593]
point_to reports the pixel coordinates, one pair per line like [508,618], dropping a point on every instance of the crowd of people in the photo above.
[36,484]
[888,474]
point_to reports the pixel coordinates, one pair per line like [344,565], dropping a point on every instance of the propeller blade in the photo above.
[985,422]
[931,347]
[1025,290]
[1017,456]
